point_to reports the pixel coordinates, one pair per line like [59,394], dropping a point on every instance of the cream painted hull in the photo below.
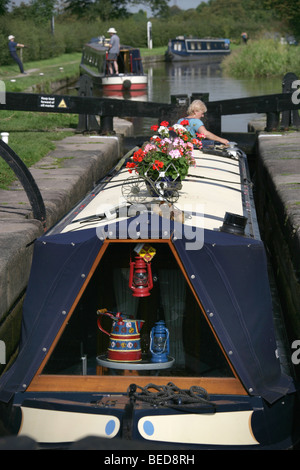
[218,429]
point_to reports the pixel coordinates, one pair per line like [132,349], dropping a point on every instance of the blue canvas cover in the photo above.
[60,264]
[233,286]
[229,274]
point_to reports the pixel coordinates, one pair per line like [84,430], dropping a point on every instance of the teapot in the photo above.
[124,338]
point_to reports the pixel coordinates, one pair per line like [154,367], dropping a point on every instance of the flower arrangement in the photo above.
[164,155]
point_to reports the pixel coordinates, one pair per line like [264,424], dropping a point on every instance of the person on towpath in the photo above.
[12,46]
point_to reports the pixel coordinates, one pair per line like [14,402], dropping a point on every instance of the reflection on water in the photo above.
[166,79]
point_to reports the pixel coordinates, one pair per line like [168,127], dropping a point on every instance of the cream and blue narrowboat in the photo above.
[205,50]
[222,383]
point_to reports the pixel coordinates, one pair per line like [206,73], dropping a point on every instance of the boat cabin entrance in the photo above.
[129,61]
[194,351]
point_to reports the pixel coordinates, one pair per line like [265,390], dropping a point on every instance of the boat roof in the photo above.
[228,272]
[190,38]
[218,183]
[102,47]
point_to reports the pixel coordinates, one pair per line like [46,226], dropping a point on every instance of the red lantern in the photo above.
[140,277]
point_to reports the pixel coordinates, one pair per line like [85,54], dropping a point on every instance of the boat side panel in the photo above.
[236,422]
[54,426]
[219,429]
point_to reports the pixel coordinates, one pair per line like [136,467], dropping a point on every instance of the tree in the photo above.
[158,7]
[78,8]
[3,6]
[42,9]
[287,11]
[111,9]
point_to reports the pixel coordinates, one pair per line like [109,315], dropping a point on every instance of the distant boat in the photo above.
[94,63]
[204,50]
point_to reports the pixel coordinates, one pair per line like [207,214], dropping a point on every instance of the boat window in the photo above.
[192,46]
[178,46]
[95,61]
[192,344]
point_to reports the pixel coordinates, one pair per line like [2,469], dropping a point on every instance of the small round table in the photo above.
[141,365]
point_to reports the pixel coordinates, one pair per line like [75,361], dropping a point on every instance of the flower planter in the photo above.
[165,187]
[165,155]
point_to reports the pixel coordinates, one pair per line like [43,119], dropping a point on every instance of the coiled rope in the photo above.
[170,395]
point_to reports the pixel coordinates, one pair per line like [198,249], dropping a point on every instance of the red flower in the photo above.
[154,127]
[138,155]
[164,123]
[131,166]
[184,122]
[157,164]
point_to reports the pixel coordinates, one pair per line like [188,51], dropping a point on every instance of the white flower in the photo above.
[179,127]
[164,131]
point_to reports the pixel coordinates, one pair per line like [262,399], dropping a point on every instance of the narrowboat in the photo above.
[206,50]
[94,63]
[148,320]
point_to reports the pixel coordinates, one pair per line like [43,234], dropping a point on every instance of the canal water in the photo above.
[185,78]
[166,79]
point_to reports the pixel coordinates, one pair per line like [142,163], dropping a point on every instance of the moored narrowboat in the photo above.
[149,318]
[206,50]
[95,64]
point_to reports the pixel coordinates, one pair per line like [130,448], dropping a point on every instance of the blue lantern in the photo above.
[159,342]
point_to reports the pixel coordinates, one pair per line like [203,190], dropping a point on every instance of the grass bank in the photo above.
[33,135]
[41,74]
[262,58]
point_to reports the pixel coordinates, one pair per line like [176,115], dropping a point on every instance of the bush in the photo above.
[262,58]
